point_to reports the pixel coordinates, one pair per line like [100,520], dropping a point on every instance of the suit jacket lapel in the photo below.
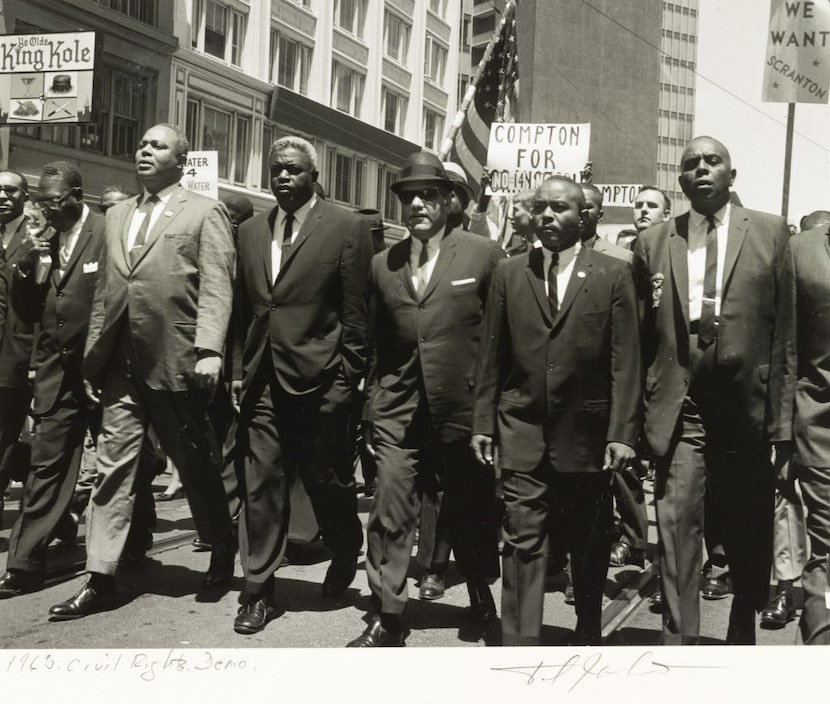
[123,228]
[737,231]
[174,206]
[679,262]
[16,239]
[581,270]
[405,270]
[265,237]
[446,253]
[536,278]
[80,245]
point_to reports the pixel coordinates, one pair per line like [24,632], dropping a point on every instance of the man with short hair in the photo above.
[153,356]
[16,335]
[631,546]
[427,295]
[708,331]
[557,389]
[113,194]
[303,270]
[652,206]
[57,294]
[817,218]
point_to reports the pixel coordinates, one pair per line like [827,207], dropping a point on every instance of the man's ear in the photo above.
[601,215]
[732,175]
[314,175]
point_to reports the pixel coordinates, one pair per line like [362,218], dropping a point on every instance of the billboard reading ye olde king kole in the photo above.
[46,78]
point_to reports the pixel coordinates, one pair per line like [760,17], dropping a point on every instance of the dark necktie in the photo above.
[553,290]
[423,258]
[287,234]
[141,235]
[708,322]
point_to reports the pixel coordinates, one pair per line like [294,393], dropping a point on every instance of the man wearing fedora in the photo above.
[427,297]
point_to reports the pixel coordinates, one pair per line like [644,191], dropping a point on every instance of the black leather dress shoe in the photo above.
[254,616]
[220,572]
[779,612]
[623,554]
[16,583]
[339,576]
[432,587]
[89,600]
[376,636]
[715,588]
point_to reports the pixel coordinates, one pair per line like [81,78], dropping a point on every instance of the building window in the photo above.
[438,7]
[396,37]
[141,10]
[433,128]
[346,89]
[350,15]
[389,204]
[290,63]
[435,60]
[222,131]
[359,168]
[343,178]
[394,111]
[218,30]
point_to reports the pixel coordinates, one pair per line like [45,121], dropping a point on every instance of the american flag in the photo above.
[491,97]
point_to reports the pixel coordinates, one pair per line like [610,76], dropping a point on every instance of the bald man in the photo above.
[818,218]
[708,330]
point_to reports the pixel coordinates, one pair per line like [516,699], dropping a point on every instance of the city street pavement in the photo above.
[160,604]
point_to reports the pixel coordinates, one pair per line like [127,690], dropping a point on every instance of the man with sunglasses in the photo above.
[59,298]
[427,297]
[15,334]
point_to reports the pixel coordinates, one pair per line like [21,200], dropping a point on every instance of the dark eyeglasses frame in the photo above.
[52,204]
[425,194]
[12,191]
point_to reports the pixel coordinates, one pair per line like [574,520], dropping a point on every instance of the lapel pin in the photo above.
[168,213]
[580,274]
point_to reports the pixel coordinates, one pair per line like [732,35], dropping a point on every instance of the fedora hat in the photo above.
[421,168]
[458,178]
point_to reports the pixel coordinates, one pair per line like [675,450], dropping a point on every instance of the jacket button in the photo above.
[60,323]
[420,306]
[273,307]
[421,340]
[60,294]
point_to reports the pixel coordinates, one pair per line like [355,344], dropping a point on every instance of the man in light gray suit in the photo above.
[154,350]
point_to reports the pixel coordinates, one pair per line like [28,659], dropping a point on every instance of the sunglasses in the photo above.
[424,194]
[52,204]
[11,191]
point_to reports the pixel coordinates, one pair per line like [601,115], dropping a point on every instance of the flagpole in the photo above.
[461,113]
[788,160]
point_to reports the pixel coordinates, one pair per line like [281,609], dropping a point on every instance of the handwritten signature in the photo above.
[578,669]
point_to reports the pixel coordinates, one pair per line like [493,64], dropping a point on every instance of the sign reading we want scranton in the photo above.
[46,78]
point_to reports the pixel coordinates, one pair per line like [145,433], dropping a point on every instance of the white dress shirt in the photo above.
[564,269]
[698,226]
[151,210]
[300,214]
[68,239]
[433,245]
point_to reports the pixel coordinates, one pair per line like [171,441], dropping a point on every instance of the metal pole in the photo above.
[788,160]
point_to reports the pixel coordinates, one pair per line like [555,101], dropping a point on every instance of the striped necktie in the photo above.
[708,321]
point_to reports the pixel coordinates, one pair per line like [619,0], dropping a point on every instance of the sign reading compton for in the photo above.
[522,155]
[46,78]
[201,173]
[797,68]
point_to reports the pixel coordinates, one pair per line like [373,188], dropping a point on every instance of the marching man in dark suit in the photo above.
[15,334]
[301,296]
[153,356]
[707,341]
[558,391]
[799,404]
[427,297]
[60,302]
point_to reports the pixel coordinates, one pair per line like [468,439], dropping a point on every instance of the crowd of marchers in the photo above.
[503,366]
